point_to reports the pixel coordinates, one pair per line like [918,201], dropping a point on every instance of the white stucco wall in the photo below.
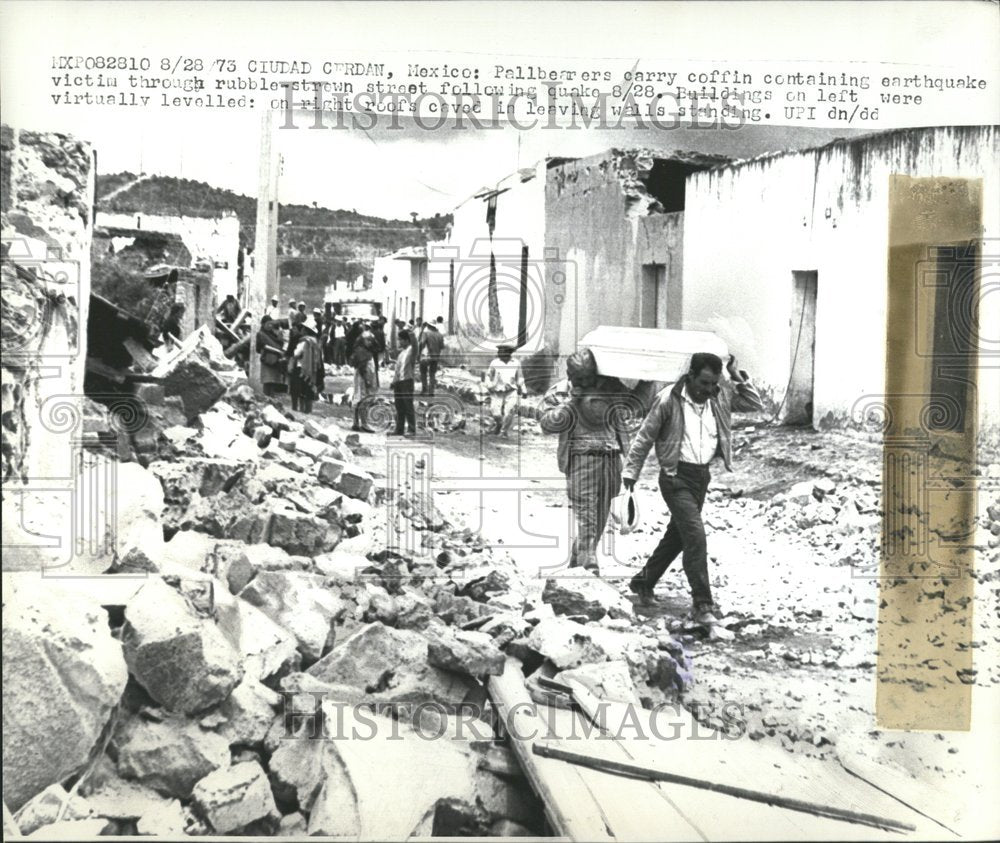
[520,221]
[748,226]
[217,239]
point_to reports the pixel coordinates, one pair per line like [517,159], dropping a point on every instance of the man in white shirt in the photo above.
[690,425]
[505,382]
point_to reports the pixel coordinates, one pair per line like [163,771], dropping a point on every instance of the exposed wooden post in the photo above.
[264,282]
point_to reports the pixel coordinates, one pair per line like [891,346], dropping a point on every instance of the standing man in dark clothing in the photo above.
[353,333]
[431,346]
[377,327]
[690,424]
[229,310]
[402,386]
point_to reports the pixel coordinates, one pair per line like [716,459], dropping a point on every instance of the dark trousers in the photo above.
[684,495]
[428,376]
[339,351]
[406,415]
[591,483]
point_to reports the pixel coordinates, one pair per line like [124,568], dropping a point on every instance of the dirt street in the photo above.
[797,582]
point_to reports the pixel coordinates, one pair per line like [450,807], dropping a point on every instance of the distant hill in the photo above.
[315,245]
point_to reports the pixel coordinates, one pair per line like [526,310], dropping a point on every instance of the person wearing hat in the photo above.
[292,310]
[505,383]
[274,311]
[591,444]
[305,369]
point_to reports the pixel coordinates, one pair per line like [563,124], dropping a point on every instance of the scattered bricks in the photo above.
[472,653]
[169,756]
[352,440]
[329,471]
[300,603]
[288,443]
[823,487]
[232,798]
[800,493]
[394,574]
[580,593]
[181,659]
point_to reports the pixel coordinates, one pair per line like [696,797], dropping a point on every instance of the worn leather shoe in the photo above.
[640,587]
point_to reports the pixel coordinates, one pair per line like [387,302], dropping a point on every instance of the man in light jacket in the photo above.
[690,426]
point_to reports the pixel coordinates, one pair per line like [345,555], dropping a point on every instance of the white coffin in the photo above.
[649,354]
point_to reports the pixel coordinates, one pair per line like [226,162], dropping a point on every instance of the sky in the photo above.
[387,172]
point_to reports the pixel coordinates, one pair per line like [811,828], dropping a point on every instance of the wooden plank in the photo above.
[698,751]
[569,804]
[644,771]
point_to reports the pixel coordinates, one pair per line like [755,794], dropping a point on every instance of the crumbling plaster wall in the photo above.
[606,225]
[748,226]
[47,221]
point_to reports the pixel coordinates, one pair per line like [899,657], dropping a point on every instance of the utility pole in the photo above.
[264,282]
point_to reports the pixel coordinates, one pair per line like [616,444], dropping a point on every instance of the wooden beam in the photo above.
[569,804]
[650,773]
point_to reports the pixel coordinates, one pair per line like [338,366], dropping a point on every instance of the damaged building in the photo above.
[555,250]
[778,255]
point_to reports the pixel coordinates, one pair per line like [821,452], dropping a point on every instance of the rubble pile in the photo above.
[280,669]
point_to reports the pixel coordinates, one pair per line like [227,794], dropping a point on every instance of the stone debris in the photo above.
[233,798]
[580,593]
[300,603]
[183,660]
[169,755]
[63,675]
[46,807]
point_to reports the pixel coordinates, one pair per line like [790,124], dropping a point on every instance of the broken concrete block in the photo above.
[194,381]
[354,481]
[296,771]
[569,644]
[274,418]
[363,777]
[390,665]
[181,659]
[232,798]
[121,800]
[311,428]
[582,593]
[300,603]
[607,681]
[292,825]
[74,829]
[44,808]
[312,448]
[63,672]
[344,566]
[169,756]
[329,471]
[299,533]
[249,712]
[165,819]
[472,653]
[458,610]
[265,648]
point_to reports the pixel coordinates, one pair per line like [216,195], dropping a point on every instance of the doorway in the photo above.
[802,348]
[659,298]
